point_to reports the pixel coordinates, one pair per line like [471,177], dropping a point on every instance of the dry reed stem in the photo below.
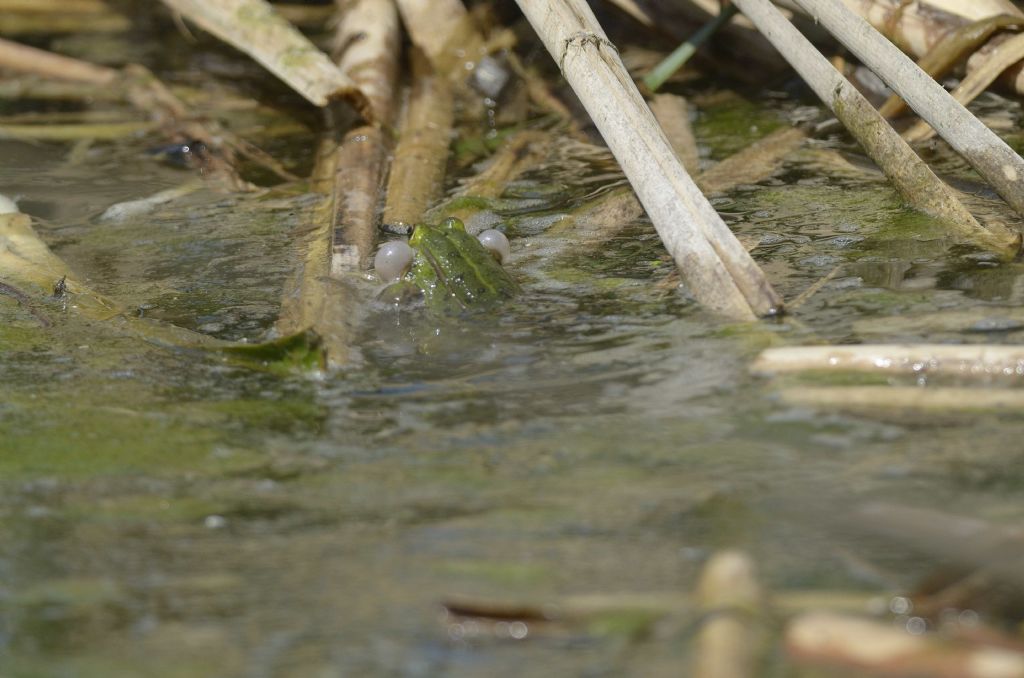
[952,48]
[421,155]
[39,62]
[972,360]
[731,598]
[366,46]
[918,26]
[348,174]
[146,93]
[312,298]
[357,183]
[886,400]
[912,178]
[253,27]
[719,271]
[977,81]
[981,147]
[443,30]
[51,132]
[849,642]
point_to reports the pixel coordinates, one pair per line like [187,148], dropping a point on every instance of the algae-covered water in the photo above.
[165,514]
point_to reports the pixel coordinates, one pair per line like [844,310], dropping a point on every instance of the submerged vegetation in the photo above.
[704,381]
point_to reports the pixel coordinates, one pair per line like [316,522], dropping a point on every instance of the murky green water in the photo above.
[162,514]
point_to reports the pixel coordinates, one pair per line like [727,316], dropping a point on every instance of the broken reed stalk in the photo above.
[366,47]
[979,145]
[348,174]
[730,597]
[719,271]
[312,299]
[26,59]
[254,27]
[146,93]
[971,360]
[913,179]
[421,155]
[977,81]
[953,47]
[443,30]
[847,642]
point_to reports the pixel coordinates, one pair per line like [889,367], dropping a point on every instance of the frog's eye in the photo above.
[496,243]
[393,260]
[453,224]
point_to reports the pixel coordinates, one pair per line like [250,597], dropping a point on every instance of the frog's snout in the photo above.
[393,259]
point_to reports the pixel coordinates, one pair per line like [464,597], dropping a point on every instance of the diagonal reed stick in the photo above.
[717,268]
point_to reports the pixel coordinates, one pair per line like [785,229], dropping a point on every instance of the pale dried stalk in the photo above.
[973,360]
[888,399]
[884,649]
[54,66]
[253,27]
[954,47]
[730,597]
[673,114]
[366,47]
[110,130]
[312,299]
[444,31]
[912,178]
[918,26]
[981,147]
[719,271]
[977,81]
[366,50]
[348,174]
[421,155]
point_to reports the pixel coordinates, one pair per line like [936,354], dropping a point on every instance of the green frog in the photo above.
[450,268]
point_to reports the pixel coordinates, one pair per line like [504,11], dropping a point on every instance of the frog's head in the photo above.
[450,268]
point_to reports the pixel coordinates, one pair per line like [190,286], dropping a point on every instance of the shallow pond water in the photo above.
[165,514]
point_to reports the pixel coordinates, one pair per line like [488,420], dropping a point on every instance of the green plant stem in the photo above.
[678,58]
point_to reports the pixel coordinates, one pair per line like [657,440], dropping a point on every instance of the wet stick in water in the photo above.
[421,155]
[717,268]
[146,93]
[972,360]
[911,177]
[731,599]
[320,295]
[889,401]
[366,46]
[977,81]
[847,642]
[979,145]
